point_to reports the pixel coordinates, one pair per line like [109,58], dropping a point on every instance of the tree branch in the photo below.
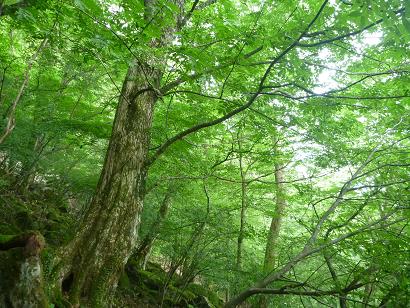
[11,114]
[349,34]
[234,112]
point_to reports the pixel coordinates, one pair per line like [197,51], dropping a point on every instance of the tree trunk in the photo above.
[241,235]
[368,290]
[89,267]
[28,170]
[273,235]
[145,246]
[183,261]
[328,259]
[11,114]
[271,245]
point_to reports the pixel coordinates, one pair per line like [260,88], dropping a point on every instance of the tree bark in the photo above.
[145,246]
[274,230]
[271,245]
[89,267]
[241,234]
[328,259]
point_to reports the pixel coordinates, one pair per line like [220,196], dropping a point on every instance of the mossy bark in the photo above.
[86,270]
[89,267]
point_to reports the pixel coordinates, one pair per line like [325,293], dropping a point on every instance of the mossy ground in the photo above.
[153,288]
[47,212]
[38,209]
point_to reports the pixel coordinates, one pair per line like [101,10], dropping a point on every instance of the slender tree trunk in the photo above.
[273,235]
[145,246]
[271,250]
[368,290]
[11,115]
[183,260]
[91,264]
[241,235]
[38,142]
[342,299]
[28,172]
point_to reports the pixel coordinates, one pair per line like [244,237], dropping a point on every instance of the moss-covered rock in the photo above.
[152,288]
[33,212]
[212,299]
[21,275]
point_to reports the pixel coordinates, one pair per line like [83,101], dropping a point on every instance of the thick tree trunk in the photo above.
[90,266]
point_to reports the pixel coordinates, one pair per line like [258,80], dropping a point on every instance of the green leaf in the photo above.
[406,23]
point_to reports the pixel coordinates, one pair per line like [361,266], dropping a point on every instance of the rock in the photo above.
[21,275]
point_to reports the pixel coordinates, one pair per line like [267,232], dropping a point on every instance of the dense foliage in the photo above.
[277,168]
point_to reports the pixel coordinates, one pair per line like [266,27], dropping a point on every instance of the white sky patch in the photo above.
[324,54]
[368,40]
[336,178]
[371,39]
[254,8]
[114,9]
[211,86]
[332,2]
[302,170]
[326,81]
[177,41]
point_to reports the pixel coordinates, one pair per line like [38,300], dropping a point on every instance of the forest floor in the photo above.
[47,211]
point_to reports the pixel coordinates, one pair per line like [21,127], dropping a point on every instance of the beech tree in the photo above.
[278,131]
